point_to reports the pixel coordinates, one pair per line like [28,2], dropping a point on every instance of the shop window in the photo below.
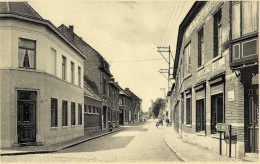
[27,53]
[79,114]
[73,121]
[188,111]
[200,47]
[248,19]
[64,113]
[64,65]
[200,115]
[217,111]
[217,33]
[54,112]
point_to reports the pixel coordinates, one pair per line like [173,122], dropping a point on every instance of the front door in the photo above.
[26,116]
[252,120]
[104,117]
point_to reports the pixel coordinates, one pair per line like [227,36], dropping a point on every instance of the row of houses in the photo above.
[54,86]
[216,76]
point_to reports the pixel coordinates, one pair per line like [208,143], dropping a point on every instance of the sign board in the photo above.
[222,127]
[231,96]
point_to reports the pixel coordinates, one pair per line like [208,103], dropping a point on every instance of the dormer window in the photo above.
[26,53]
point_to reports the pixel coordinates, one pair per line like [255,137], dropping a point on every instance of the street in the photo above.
[136,143]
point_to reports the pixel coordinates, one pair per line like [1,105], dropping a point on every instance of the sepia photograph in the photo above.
[129,81]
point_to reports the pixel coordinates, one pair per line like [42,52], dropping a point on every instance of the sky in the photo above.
[126,34]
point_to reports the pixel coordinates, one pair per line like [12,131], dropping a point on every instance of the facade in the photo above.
[92,111]
[114,115]
[96,74]
[135,106]
[124,107]
[208,89]
[41,80]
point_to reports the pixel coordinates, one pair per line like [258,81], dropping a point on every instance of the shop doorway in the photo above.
[26,116]
[217,111]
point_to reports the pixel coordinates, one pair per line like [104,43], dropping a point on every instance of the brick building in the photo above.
[92,111]
[41,80]
[124,107]
[206,90]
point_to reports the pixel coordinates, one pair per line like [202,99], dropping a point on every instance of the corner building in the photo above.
[41,80]
[207,91]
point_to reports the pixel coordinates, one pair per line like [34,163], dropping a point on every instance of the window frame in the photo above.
[64,68]
[201,47]
[21,47]
[217,34]
[189,117]
[73,114]
[80,114]
[79,76]
[64,113]
[72,69]
[54,113]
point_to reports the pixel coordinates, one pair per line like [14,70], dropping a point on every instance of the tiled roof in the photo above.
[19,8]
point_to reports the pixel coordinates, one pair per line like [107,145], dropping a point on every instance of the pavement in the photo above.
[23,150]
[188,152]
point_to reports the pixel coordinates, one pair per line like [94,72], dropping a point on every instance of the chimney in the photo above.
[113,79]
[71,28]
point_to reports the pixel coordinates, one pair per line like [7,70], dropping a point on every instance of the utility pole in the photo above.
[166,51]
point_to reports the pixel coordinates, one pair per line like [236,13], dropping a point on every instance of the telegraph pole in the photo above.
[166,51]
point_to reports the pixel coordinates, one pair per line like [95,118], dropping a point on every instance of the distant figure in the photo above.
[157,122]
[167,122]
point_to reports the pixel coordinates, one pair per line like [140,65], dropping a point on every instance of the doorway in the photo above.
[26,116]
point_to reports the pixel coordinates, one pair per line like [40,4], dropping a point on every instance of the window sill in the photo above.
[201,133]
[188,125]
[64,127]
[200,68]
[72,126]
[54,128]
[80,125]
[187,77]
[213,60]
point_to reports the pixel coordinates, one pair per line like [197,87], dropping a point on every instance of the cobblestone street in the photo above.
[135,143]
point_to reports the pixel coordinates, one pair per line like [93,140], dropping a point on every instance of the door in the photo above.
[217,111]
[26,116]
[253,120]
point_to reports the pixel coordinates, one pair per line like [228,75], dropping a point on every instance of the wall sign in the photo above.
[211,67]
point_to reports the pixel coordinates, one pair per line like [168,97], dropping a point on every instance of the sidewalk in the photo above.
[55,147]
[188,152]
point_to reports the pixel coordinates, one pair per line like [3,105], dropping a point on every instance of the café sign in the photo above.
[222,127]
[211,67]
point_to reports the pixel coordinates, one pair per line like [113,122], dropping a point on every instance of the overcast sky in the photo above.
[126,34]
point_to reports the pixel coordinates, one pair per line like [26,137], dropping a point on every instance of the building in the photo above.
[124,107]
[41,80]
[206,90]
[115,88]
[96,74]
[92,111]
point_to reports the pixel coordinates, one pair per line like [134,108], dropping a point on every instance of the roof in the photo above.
[128,91]
[88,92]
[195,9]
[23,11]
[20,8]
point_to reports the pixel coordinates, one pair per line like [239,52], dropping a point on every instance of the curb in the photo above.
[174,151]
[61,148]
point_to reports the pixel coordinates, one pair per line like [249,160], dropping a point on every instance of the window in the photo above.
[85,109]
[79,76]
[27,53]
[104,86]
[72,72]
[188,111]
[79,114]
[120,102]
[188,60]
[114,96]
[73,113]
[64,113]
[52,62]
[89,109]
[217,33]
[248,19]
[93,109]
[64,61]
[54,112]
[201,47]
[108,91]
[200,115]
[217,111]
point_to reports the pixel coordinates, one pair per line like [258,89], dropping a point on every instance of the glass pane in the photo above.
[236,21]
[27,43]
[26,112]
[250,17]
[31,55]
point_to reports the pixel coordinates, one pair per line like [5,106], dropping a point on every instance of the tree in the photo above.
[158,107]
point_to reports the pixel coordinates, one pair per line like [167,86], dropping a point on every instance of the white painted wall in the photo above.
[12,30]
